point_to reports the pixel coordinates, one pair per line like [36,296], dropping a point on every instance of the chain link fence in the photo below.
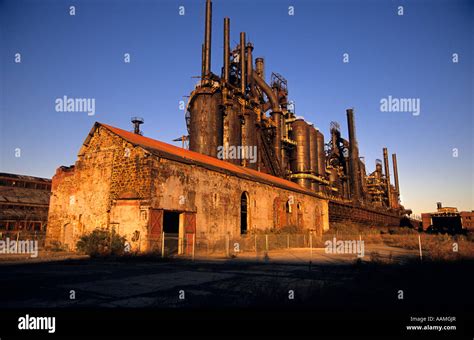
[19,235]
[191,245]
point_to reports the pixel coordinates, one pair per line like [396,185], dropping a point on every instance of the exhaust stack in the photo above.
[206,63]
[226,49]
[260,67]
[395,172]
[353,157]
[387,177]
[243,76]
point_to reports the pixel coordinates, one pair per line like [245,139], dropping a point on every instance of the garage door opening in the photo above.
[171,222]
[173,229]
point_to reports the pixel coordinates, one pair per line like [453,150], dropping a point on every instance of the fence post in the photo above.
[256,249]
[227,241]
[419,244]
[288,240]
[266,242]
[162,244]
[311,246]
[194,243]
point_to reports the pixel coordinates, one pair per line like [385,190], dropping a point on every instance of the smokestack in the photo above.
[353,156]
[242,63]
[260,67]
[203,57]
[249,63]
[137,121]
[395,172]
[207,40]
[226,49]
[387,176]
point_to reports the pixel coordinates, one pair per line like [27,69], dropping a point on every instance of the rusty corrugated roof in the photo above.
[177,153]
[24,177]
[24,196]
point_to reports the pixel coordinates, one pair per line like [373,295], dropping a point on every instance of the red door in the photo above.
[155,228]
[189,231]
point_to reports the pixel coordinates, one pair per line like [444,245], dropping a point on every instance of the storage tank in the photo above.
[249,138]
[321,155]
[206,123]
[300,160]
[313,155]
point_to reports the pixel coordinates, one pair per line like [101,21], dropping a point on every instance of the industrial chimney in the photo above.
[353,157]
[243,77]
[206,64]
[226,50]
[395,172]
[387,177]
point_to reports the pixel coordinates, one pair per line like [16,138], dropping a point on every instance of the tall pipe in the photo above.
[249,69]
[207,40]
[353,156]
[242,63]
[387,176]
[267,90]
[395,172]
[203,56]
[276,113]
[260,67]
[226,49]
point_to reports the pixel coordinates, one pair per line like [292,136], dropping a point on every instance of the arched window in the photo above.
[244,199]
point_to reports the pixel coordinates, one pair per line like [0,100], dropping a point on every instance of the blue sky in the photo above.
[407,56]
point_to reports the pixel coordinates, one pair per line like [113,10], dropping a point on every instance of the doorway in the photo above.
[174,233]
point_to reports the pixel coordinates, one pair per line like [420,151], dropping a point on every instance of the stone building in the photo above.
[142,187]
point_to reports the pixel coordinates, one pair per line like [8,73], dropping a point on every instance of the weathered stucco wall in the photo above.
[116,184]
[216,198]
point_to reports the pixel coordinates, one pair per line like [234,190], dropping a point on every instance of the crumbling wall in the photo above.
[107,168]
[215,197]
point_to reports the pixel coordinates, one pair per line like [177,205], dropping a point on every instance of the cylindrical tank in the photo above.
[313,155]
[250,140]
[206,125]
[301,154]
[321,155]
[233,129]
[300,160]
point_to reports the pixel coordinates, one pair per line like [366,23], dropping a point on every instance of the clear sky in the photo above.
[403,56]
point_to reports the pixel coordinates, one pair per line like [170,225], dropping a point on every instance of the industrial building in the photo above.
[252,163]
[24,202]
[448,220]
